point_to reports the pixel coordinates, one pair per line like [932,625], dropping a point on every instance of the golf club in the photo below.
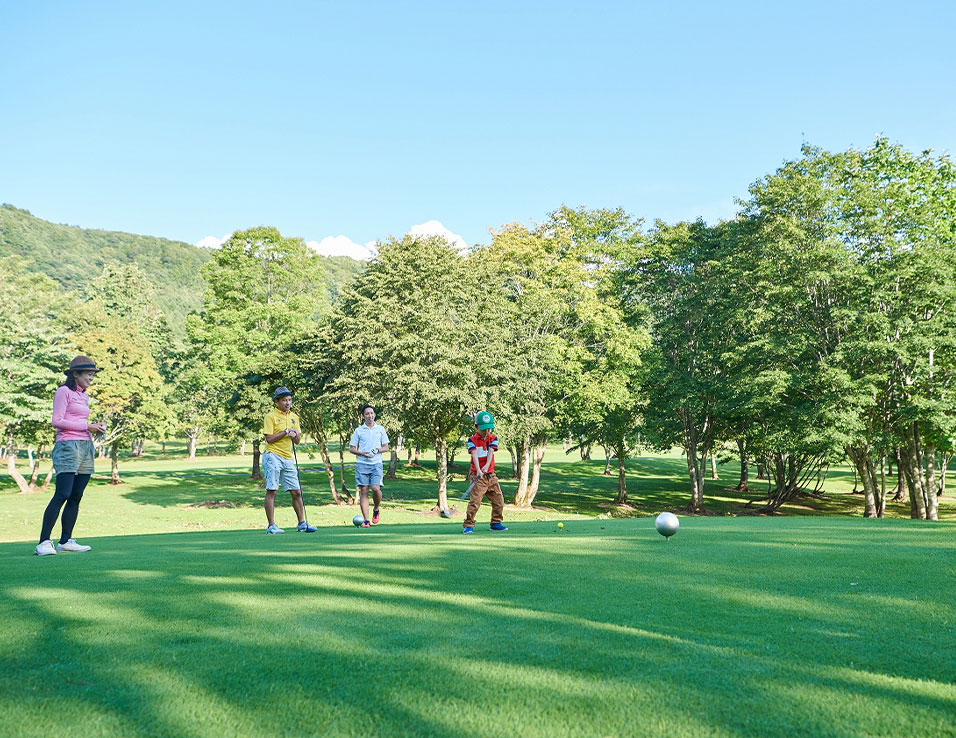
[468,491]
[295,459]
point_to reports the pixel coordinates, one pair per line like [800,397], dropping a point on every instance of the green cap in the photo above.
[484,420]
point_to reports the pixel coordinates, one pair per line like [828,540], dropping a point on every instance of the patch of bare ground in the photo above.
[211,504]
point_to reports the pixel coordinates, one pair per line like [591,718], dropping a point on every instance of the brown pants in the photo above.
[487,485]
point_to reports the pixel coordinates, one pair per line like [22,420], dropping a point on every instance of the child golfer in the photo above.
[482,447]
[281,429]
[369,442]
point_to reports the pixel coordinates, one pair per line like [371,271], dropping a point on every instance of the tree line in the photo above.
[818,324]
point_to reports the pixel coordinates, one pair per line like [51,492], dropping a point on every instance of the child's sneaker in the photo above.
[498,526]
[72,546]
[304,527]
[374,517]
[44,548]
[274,529]
[467,529]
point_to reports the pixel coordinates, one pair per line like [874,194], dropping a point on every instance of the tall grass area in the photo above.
[804,626]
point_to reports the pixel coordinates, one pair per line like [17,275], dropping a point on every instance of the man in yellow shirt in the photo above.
[281,429]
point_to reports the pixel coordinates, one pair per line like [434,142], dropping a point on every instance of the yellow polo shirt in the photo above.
[276,422]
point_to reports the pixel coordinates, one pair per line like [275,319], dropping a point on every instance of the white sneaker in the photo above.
[45,549]
[274,529]
[71,546]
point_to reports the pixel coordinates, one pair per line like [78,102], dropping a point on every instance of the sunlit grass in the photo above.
[738,626]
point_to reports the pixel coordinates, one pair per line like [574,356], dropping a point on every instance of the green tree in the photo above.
[265,292]
[404,338]
[34,350]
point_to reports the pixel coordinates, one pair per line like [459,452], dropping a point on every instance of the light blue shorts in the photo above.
[368,476]
[279,471]
[73,456]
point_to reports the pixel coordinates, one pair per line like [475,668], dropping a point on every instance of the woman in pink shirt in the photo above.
[72,455]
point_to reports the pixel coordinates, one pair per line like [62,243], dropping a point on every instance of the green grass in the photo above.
[190,621]
[738,626]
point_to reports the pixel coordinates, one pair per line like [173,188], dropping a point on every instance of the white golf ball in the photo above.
[667,524]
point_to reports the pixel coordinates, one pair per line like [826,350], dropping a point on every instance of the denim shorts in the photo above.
[368,476]
[279,470]
[74,457]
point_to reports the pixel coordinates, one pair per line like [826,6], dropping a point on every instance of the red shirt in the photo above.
[484,445]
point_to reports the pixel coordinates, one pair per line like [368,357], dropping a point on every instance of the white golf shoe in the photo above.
[45,548]
[71,546]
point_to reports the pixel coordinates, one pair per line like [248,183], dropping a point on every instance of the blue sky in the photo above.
[193,119]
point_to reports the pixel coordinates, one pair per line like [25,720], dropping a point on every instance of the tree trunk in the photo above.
[943,466]
[47,479]
[408,461]
[418,451]
[343,444]
[36,468]
[256,455]
[621,454]
[761,470]
[441,464]
[932,503]
[713,466]
[742,484]
[242,448]
[114,463]
[514,462]
[860,455]
[523,447]
[913,470]
[695,466]
[12,470]
[607,460]
[538,449]
[585,449]
[392,464]
[899,492]
[192,441]
[163,452]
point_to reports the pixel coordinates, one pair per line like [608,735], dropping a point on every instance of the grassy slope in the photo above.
[739,626]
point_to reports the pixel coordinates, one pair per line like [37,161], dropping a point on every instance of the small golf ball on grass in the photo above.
[357,521]
[560,525]
[667,524]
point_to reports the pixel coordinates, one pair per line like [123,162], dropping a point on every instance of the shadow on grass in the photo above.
[729,630]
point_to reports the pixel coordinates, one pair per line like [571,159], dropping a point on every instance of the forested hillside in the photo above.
[74,256]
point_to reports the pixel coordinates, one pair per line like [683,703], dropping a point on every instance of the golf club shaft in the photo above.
[295,458]
[468,491]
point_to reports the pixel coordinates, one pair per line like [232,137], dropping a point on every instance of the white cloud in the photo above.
[211,242]
[434,228]
[342,246]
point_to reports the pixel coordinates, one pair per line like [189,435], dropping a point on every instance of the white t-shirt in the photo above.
[367,439]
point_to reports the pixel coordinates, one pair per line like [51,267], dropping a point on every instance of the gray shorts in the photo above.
[279,470]
[368,476]
[74,457]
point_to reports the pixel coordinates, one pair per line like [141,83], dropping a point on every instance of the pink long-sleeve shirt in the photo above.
[71,412]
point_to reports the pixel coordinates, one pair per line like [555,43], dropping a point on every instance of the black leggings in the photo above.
[69,489]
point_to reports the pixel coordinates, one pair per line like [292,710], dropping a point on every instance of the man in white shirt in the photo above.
[369,442]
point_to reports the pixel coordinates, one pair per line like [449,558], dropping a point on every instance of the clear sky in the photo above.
[360,119]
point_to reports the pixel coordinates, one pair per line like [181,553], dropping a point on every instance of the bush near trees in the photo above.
[817,325]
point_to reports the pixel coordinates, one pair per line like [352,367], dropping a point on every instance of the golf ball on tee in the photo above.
[667,524]
[560,525]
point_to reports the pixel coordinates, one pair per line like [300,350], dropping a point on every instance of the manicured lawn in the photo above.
[738,626]
[187,620]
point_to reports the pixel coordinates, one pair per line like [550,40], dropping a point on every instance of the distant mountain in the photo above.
[73,256]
